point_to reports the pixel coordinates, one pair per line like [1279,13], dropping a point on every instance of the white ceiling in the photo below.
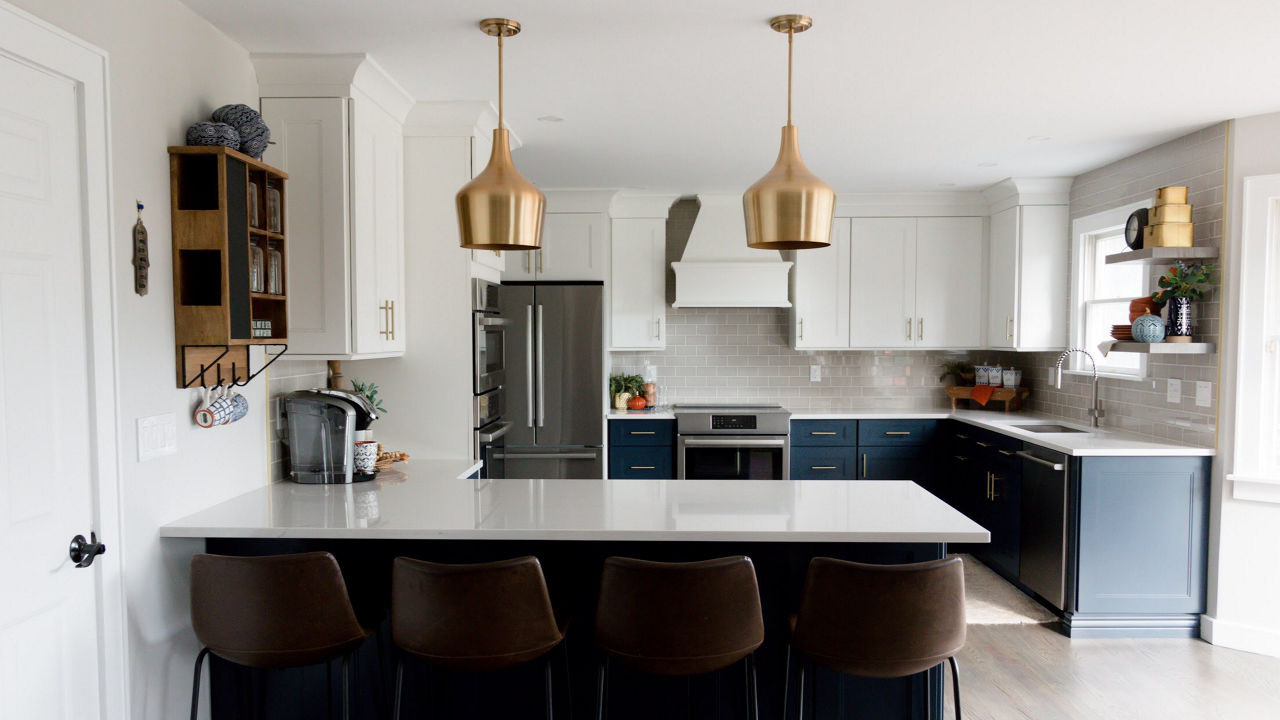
[903,95]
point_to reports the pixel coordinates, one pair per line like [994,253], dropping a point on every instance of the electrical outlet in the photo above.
[1174,393]
[157,436]
[1204,393]
[815,373]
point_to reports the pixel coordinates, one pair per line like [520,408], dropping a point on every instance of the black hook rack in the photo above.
[216,364]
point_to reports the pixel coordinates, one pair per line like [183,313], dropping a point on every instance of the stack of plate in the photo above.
[1122,332]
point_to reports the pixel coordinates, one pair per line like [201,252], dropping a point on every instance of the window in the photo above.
[1257,378]
[1102,292]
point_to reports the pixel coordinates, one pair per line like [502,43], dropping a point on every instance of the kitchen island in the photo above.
[435,512]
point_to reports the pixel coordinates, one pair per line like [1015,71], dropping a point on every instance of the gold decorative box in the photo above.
[1172,195]
[1173,213]
[1171,234]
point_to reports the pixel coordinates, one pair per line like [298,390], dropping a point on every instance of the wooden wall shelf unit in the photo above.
[214,307]
[1011,397]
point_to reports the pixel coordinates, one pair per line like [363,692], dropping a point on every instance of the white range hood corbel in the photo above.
[719,270]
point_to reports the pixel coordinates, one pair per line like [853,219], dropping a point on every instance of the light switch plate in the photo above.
[1204,393]
[157,436]
[815,373]
[1174,393]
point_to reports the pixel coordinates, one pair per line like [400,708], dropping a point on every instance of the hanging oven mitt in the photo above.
[982,394]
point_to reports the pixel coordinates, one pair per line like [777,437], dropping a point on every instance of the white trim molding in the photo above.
[30,40]
[1249,638]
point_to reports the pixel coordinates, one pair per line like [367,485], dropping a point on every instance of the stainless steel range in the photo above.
[733,442]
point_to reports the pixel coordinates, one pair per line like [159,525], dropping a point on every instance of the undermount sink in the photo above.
[1049,429]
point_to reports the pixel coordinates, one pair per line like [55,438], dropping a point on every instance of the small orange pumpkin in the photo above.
[637,403]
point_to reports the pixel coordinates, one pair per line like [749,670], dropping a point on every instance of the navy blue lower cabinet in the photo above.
[824,463]
[893,463]
[653,462]
[1139,542]
[896,432]
[832,433]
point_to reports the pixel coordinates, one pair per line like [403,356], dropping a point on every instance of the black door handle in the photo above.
[83,551]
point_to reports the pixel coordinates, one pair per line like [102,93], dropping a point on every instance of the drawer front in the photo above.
[821,463]
[896,432]
[641,463]
[824,433]
[895,463]
[642,432]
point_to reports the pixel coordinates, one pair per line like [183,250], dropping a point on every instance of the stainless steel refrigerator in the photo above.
[554,381]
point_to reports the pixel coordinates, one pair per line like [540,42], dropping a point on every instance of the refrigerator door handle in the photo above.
[545,456]
[528,363]
[542,373]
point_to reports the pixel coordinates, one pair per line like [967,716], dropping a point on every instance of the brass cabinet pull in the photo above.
[962,458]
[864,465]
[640,432]
[920,332]
[392,312]
[642,467]
[962,436]
[1008,453]
[908,328]
[539,261]
[386,332]
[823,467]
[897,432]
[979,443]
[800,329]
[995,494]
[820,432]
[1008,327]
[988,486]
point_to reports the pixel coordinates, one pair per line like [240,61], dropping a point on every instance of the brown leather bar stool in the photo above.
[678,619]
[474,618]
[277,611]
[880,621]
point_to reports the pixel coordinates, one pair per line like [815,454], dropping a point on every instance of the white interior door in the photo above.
[949,267]
[49,612]
[883,283]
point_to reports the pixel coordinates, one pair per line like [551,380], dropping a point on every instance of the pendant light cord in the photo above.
[500,34]
[791,36]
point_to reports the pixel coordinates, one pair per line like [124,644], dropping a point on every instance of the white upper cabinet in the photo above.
[1029,272]
[820,293]
[337,126]
[890,283]
[481,146]
[573,248]
[949,263]
[637,284]
[883,283]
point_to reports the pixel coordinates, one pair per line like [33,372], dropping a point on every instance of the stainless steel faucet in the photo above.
[1096,411]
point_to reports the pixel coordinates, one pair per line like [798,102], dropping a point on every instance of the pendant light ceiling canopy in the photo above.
[499,209]
[789,208]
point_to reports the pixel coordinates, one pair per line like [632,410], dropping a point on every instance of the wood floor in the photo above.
[1032,672]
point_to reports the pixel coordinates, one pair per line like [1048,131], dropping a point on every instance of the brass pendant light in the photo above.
[499,209]
[789,208]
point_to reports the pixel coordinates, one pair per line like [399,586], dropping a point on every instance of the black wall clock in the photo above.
[1134,226]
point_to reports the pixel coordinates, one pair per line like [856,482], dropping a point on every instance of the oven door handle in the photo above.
[774,442]
[492,321]
[488,437]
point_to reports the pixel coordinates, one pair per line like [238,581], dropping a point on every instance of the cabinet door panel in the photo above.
[573,247]
[642,432]
[637,307]
[882,285]
[1002,279]
[893,463]
[820,292]
[641,463]
[377,252]
[949,257]
[311,144]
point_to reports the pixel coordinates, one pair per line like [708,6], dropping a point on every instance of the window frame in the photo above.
[1084,231]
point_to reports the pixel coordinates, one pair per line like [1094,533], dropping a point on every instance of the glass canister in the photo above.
[273,209]
[257,269]
[275,270]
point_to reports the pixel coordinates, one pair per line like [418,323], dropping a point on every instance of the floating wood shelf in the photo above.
[1161,255]
[1011,397]
[1165,348]
[215,311]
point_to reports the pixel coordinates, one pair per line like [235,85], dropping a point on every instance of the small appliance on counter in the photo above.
[322,432]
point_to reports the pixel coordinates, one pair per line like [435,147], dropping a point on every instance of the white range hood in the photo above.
[719,270]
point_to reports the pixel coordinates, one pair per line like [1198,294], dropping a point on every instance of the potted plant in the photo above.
[1179,287]
[962,371]
[623,388]
[369,390]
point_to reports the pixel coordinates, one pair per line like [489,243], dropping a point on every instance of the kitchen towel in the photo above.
[982,394]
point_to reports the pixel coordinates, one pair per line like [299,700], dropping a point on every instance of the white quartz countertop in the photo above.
[426,502]
[662,412]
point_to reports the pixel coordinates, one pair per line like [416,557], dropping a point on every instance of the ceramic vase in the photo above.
[620,400]
[1148,329]
[1179,325]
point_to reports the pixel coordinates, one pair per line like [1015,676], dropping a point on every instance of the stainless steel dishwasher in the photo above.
[1044,523]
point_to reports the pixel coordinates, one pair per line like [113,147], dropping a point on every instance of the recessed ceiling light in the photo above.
[1038,138]
[987,164]
[946,184]
[551,119]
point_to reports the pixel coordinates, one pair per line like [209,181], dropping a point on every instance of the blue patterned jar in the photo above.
[1148,329]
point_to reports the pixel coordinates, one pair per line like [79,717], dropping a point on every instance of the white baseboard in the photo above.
[1250,638]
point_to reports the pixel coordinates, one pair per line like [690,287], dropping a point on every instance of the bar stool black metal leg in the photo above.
[399,689]
[800,692]
[753,689]
[955,683]
[602,688]
[346,687]
[195,684]
[786,685]
[546,669]
[568,686]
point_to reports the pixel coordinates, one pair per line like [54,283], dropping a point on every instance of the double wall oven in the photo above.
[488,340]
[733,442]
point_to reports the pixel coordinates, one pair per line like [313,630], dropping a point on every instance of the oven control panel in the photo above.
[733,422]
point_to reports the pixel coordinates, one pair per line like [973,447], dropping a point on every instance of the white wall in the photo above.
[427,392]
[169,68]
[1244,570]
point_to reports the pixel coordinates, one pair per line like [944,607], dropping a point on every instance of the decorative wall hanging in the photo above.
[141,259]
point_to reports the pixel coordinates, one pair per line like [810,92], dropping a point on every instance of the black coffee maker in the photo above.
[321,440]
